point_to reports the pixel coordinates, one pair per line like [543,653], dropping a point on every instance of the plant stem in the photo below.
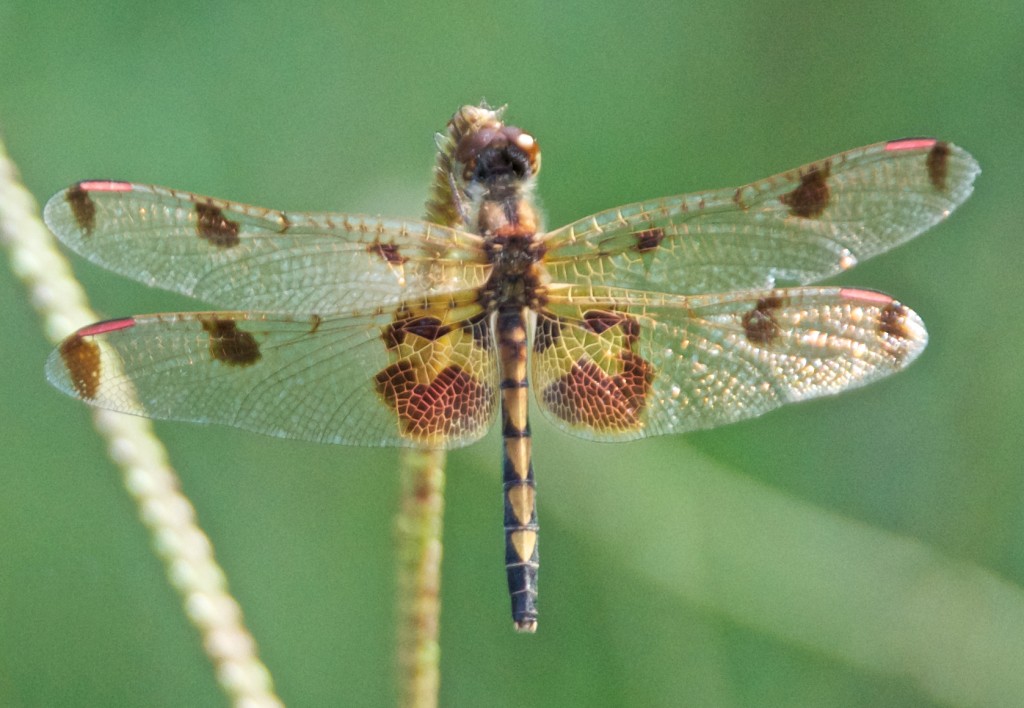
[418,528]
[181,544]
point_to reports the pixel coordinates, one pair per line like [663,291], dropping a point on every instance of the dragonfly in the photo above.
[663,316]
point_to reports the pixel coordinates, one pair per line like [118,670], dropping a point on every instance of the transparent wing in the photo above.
[329,380]
[618,365]
[251,258]
[793,228]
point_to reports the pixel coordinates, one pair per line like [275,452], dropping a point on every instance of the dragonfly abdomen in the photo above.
[521,529]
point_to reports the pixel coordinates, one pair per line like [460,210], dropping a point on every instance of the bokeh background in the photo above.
[862,550]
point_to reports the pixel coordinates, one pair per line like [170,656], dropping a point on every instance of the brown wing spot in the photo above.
[387,251]
[216,228]
[82,359]
[648,240]
[892,322]
[230,344]
[442,407]
[429,328]
[759,324]
[546,333]
[938,165]
[314,323]
[588,396]
[811,197]
[600,321]
[83,208]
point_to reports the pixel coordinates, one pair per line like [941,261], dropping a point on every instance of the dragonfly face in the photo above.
[657,317]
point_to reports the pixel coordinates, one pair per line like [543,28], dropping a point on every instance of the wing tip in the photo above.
[950,167]
[901,330]
[76,198]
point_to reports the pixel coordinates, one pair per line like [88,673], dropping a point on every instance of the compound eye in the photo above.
[473,143]
[529,147]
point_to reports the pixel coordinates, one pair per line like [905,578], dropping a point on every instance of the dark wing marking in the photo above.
[794,228]
[245,257]
[612,364]
[315,378]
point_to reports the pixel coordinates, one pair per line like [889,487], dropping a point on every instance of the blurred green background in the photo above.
[864,550]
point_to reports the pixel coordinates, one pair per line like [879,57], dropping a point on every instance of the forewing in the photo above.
[328,380]
[796,227]
[619,365]
[251,258]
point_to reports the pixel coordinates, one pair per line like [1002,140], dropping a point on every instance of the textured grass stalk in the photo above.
[185,550]
[418,528]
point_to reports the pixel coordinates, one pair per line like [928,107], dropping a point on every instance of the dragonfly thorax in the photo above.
[517,278]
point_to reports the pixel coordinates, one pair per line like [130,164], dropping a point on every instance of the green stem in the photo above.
[418,528]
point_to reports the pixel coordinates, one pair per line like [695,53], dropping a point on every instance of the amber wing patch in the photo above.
[547,333]
[588,370]
[440,383]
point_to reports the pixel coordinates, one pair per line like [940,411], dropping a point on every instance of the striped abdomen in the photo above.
[521,558]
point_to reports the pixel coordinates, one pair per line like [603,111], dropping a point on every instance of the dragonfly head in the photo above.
[490,152]
[492,156]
